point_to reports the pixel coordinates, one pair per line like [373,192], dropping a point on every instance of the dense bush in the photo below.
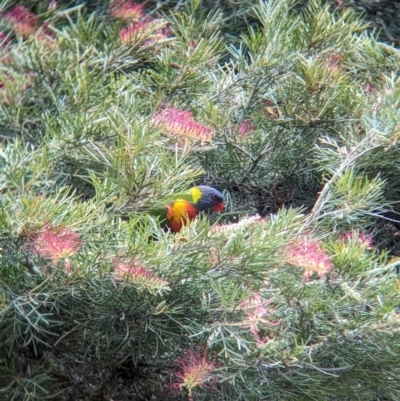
[290,294]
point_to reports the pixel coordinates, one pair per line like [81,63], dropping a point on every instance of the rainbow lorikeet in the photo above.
[177,209]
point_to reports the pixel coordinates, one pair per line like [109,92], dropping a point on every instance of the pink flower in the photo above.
[309,254]
[126,10]
[194,370]
[152,30]
[244,224]
[362,238]
[144,278]
[246,127]
[25,23]
[55,243]
[177,122]
[23,20]
[256,308]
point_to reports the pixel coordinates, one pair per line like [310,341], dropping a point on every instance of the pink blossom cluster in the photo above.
[256,309]
[194,370]
[309,254]
[142,26]
[126,10]
[178,122]
[144,278]
[55,243]
[152,30]
[26,23]
[243,224]
[246,128]
[363,239]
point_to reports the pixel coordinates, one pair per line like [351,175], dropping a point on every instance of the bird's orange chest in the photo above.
[179,213]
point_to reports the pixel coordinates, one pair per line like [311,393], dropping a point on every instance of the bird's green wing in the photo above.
[160,203]
[158,209]
[159,212]
[186,195]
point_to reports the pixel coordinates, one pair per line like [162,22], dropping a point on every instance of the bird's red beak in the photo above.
[219,207]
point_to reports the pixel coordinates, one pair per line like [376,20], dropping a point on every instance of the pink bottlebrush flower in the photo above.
[23,20]
[309,254]
[177,122]
[256,308]
[246,128]
[126,10]
[152,30]
[26,23]
[243,224]
[144,278]
[55,243]
[363,239]
[194,370]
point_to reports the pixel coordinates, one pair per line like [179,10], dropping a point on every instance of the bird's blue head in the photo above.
[206,197]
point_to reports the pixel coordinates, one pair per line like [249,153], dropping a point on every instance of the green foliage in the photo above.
[302,111]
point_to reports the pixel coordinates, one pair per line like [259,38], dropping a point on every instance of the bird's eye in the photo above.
[214,197]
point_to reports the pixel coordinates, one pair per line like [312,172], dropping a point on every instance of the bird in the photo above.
[176,210]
